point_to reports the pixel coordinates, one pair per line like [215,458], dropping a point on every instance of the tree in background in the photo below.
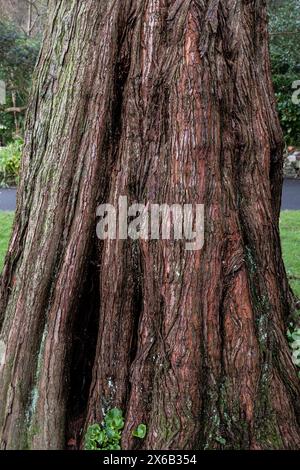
[20,36]
[28,15]
[18,55]
[163,102]
[285,55]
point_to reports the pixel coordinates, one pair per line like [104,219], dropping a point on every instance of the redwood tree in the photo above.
[165,101]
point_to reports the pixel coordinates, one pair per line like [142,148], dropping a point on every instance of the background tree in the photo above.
[21,27]
[28,15]
[163,102]
[18,55]
[285,59]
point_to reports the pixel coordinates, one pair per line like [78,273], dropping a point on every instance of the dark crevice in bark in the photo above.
[84,342]
[86,327]
[137,302]
[137,312]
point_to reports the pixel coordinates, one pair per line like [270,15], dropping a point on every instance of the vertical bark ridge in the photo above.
[53,403]
[264,145]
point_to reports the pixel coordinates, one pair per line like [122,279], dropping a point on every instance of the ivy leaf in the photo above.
[118,423]
[114,419]
[114,413]
[221,440]
[93,437]
[112,434]
[140,431]
[114,447]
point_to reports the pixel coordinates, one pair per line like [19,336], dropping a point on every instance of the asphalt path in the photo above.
[7,199]
[290,196]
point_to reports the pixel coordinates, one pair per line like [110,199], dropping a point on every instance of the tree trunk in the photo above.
[163,102]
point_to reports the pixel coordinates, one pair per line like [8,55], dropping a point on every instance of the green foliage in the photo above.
[109,435]
[140,431]
[285,60]
[10,158]
[7,124]
[221,440]
[18,55]
[289,114]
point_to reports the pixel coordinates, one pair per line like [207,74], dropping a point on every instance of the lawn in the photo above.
[290,236]
[290,239]
[6,221]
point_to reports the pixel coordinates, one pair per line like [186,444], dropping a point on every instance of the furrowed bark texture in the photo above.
[163,102]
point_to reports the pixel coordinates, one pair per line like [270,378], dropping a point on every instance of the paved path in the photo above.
[7,199]
[290,197]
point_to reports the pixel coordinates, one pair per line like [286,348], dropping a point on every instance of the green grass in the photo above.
[6,221]
[290,237]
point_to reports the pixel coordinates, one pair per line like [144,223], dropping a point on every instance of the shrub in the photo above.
[10,158]
[289,115]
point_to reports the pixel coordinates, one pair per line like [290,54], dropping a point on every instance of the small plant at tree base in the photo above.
[140,431]
[109,435]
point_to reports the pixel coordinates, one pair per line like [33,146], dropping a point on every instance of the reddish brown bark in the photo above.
[164,102]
